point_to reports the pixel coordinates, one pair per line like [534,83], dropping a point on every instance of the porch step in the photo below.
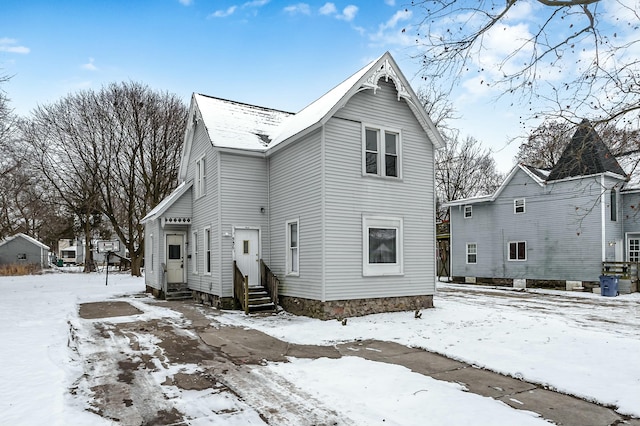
[177,292]
[259,300]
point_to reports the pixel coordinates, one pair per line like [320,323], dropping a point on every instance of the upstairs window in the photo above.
[200,178]
[518,206]
[614,205]
[468,212]
[381,152]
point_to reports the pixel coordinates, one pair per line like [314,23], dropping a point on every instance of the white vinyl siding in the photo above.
[296,194]
[243,193]
[381,151]
[349,197]
[472,253]
[382,243]
[293,247]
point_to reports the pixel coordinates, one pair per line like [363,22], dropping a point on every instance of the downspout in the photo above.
[603,210]
[323,219]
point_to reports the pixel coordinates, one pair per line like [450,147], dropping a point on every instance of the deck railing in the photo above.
[241,288]
[626,270]
[269,281]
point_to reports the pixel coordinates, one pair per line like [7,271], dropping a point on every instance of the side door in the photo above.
[175,258]
[247,252]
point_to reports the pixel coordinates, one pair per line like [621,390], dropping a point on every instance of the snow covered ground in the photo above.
[581,344]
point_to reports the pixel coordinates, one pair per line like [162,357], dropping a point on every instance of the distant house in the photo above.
[23,249]
[334,204]
[552,228]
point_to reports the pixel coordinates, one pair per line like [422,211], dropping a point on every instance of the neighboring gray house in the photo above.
[23,249]
[551,228]
[336,200]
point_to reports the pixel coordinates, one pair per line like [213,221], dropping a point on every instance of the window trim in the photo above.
[289,250]
[468,245]
[517,251]
[206,251]
[516,206]
[379,269]
[194,252]
[381,152]
[465,212]
[200,177]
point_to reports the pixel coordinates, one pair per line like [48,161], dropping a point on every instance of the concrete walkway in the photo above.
[242,346]
[559,408]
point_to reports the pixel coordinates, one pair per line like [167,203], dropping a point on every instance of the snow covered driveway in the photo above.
[160,364]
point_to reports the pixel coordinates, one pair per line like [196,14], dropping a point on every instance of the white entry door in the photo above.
[247,253]
[175,258]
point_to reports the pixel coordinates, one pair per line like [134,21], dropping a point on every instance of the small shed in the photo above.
[23,249]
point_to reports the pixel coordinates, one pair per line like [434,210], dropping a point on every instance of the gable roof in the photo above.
[237,125]
[167,202]
[318,112]
[585,155]
[250,128]
[26,237]
[537,175]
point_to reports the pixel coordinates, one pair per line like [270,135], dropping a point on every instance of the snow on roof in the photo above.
[237,125]
[318,109]
[26,237]
[629,163]
[167,201]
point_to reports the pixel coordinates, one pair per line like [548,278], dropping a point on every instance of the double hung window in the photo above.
[207,251]
[200,178]
[293,247]
[381,152]
[468,212]
[194,252]
[518,206]
[472,253]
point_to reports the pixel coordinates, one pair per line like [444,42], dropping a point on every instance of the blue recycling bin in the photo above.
[609,285]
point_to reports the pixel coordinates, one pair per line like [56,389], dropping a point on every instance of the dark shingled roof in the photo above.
[585,155]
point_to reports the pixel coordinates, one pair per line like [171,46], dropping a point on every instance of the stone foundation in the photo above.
[509,282]
[155,292]
[338,309]
[213,300]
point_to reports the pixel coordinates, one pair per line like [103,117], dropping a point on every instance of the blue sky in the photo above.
[278,54]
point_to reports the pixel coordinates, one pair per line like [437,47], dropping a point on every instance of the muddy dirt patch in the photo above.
[107,310]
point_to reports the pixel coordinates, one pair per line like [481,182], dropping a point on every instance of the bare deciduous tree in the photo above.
[113,154]
[577,57]
[464,169]
[547,142]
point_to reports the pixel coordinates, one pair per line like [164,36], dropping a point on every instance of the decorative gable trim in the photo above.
[387,71]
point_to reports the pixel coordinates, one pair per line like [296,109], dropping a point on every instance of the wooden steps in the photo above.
[178,291]
[259,300]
